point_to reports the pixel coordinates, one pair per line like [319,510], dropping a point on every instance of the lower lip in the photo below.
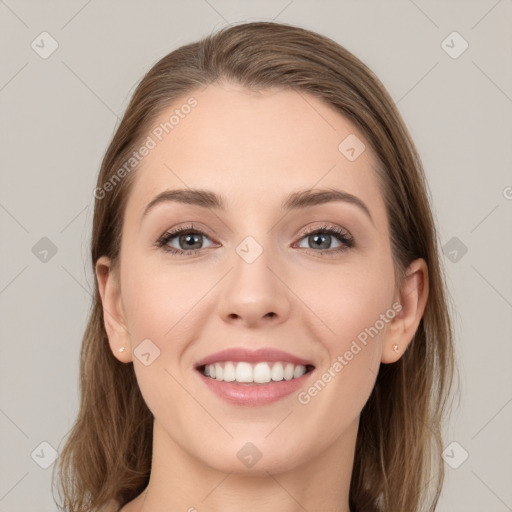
[250,394]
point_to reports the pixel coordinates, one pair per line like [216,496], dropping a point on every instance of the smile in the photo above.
[258,373]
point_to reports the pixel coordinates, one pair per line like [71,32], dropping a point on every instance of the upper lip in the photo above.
[260,355]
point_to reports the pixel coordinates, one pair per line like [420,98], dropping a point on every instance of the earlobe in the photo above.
[413,295]
[113,314]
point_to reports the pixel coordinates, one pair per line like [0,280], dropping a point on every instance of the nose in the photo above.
[255,294]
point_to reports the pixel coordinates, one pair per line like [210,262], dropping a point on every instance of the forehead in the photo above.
[253,147]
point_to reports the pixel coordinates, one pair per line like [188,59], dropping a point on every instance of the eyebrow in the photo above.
[296,200]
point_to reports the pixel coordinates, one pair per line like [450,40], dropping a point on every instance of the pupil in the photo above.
[190,236]
[317,236]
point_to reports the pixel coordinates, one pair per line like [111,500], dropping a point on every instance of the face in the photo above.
[315,281]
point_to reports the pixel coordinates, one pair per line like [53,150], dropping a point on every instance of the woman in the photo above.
[270,328]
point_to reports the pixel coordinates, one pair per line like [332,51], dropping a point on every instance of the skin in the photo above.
[254,148]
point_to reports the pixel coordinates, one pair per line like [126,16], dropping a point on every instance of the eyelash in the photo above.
[340,234]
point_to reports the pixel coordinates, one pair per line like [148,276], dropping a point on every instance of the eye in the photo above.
[321,237]
[189,240]
[187,237]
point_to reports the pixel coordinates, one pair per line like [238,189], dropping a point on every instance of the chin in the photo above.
[256,459]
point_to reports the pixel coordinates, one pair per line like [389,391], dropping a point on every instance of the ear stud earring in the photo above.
[121,349]
[395,347]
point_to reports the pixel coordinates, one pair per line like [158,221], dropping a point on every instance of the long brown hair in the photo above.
[107,456]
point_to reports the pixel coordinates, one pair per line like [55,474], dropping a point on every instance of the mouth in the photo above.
[254,383]
[250,373]
[244,366]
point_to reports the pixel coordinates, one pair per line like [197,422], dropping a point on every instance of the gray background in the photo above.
[59,113]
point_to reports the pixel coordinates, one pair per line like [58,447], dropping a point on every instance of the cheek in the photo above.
[356,306]
[159,309]
[350,298]
[351,307]
[157,299]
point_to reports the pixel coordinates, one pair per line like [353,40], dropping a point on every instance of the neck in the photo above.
[182,481]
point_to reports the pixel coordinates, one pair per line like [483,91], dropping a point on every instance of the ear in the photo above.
[113,314]
[413,295]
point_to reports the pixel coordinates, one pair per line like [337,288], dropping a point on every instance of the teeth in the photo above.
[219,371]
[278,372]
[288,371]
[229,372]
[260,373]
[244,373]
